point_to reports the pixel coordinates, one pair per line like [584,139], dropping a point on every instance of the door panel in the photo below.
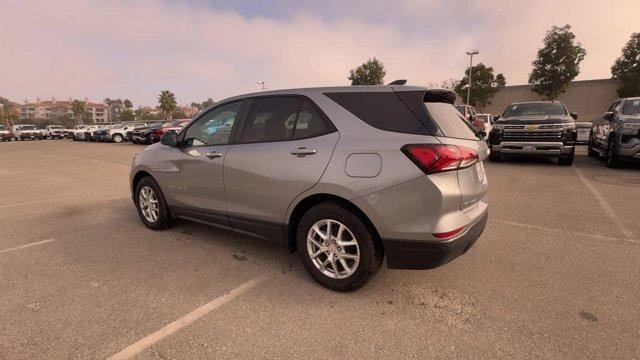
[200,194]
[262,179]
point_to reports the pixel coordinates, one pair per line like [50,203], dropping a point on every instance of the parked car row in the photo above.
[135,132]
[548,129]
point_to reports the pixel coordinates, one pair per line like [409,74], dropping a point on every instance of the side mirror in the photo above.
[574,115]
[608,115]
[496,118]
[169,139]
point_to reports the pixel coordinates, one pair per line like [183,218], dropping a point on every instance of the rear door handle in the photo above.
[213,155]
[303,151]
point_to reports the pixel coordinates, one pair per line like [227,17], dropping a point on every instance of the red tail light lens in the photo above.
[435,158]
[448,234]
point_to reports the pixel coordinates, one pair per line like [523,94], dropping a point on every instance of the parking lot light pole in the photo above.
[470,53]
[261,83]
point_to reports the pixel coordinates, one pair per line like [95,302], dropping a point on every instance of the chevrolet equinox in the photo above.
[343,175]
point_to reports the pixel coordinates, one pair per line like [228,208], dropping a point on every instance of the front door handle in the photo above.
[213,155]
[303,151]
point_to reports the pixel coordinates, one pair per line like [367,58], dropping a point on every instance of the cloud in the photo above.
[134,49]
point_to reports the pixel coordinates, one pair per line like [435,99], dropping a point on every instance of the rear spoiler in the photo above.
[439,95]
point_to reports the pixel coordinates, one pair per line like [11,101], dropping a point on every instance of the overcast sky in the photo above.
[199,49]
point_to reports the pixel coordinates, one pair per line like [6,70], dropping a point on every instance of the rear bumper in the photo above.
[416,255]
[532,148]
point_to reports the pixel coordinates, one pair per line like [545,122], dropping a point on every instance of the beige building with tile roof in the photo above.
[51,109]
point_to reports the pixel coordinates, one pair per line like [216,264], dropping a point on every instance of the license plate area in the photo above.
[529,147]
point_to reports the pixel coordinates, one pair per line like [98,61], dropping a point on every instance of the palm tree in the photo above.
[167,103]
[128,104]
[78,109]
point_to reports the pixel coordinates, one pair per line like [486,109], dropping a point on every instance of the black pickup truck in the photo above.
[616,135]
[539,128]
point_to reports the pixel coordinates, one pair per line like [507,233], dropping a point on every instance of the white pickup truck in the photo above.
[54,132]
[25,131]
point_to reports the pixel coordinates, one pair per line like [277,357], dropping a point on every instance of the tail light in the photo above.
[158,132]
[435,158]
[448,234]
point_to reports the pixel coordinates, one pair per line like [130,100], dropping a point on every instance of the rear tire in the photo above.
[566,160]
[342,272]
[153,200]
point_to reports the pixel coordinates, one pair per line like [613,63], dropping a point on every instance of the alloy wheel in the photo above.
[149,204]
[333,249]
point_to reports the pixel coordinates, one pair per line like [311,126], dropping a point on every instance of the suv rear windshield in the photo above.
[533,109]
[28,127]
[451,122]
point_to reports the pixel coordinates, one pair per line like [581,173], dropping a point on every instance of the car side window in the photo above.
[271,119]
[214,127]
[310,122]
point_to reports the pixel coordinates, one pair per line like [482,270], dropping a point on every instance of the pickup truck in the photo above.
[54,132]
[5,134]
[538,128]
[25,131]
[616,135]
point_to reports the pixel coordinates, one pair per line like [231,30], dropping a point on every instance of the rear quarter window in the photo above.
[382,110]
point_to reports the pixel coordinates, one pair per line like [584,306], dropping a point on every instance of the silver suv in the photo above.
[343,175]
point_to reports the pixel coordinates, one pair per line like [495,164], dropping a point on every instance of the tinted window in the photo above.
[310,123]
[631,107]
[28,127]
[214,127]
[451,122]
[2,127]
[382,110]
[271,119]
[534,109]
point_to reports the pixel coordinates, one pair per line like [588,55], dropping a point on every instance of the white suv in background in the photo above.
[119,133]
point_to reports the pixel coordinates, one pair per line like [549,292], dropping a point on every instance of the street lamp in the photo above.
[470,53]
[261,83]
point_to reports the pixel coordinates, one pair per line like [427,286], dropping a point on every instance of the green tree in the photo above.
[370,73]
[79,110]
[558,62]
[484,85]
[627,68]
[445,84]
[167,102]
[128,104]
[7,112]
[127,116]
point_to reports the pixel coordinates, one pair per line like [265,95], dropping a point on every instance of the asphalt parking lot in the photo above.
[555,275]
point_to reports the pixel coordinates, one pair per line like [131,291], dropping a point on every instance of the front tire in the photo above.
[566,160]
[590,150]
[117,138]
[337,248]
[613,161]
[493,157]
[151,204]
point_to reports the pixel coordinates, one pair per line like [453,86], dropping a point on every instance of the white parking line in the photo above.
[184,321]
[628,234]
[26,246]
